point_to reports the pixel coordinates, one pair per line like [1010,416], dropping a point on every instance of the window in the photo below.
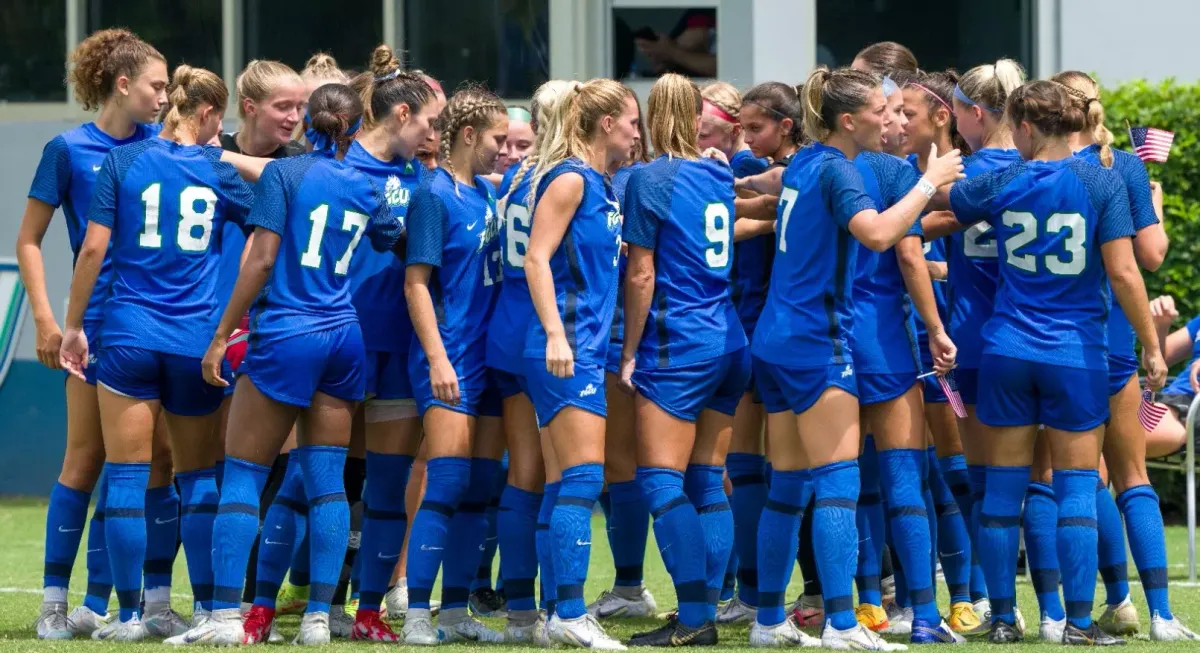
[291,32]
[650,41]
[501,43]
[33,43]
[184,32]
[956,34]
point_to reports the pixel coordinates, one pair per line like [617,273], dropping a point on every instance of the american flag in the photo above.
[951,389]
[1150,413]
[1151,144]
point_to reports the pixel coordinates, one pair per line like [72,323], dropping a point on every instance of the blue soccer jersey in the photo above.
[935,251]
[806,320]
[884,334]
[1050,219]
[321,208]
[584,268]
[683,211]
[751,257]
[620,181]
[1182,384]
[972,267]
[453,228]
[1141,208]
[167,205]
[65,176]
[377,278]
[514,308]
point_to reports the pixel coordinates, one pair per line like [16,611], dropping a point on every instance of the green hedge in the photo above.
[1176,107]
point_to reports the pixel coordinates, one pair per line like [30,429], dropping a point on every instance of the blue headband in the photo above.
[962,97]
[889,87]
[323,143]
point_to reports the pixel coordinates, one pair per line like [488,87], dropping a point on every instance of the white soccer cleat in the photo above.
[52,622]
[470,629]
[314,630]
[339,622]
[532,633]
[84,621]
[121,631]
[983,610]
[1120,619]
[736,612]
[611,605]
[199,616]
[1051,630]
[785,634]
[161,621]
[899,620]
[582,632]
[395,602]
[221,628]
[856,638]
[1169,630]
[419,631]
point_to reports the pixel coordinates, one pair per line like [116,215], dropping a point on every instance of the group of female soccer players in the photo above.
[737,338]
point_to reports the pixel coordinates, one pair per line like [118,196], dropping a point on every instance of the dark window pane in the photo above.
[650,42]
[184,32]
[33,42]
[501,43]
[941,33]
[292,31]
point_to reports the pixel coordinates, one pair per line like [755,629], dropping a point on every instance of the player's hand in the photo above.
[214,358]
[1163,311]
[560,360]
[49,342]
[943,351]
[73,353]
[943,169]
[627,367]
[444,381]
[714,153]
[1156,369]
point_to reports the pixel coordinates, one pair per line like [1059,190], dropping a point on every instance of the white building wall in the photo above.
[1120,40]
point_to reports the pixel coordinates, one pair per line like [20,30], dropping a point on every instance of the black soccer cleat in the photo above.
[1004,633]
[1090,636]
[674,633]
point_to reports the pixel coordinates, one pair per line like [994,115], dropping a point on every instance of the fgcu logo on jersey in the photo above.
[615,220]
[15,305]
[491,228]
[394,192]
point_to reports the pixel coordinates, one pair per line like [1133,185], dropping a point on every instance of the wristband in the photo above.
[926,187]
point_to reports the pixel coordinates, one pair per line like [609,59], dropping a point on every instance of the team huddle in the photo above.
[874,324]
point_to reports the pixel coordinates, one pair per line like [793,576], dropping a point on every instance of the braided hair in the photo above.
[472,105]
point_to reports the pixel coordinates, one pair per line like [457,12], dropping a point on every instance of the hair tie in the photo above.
[932,95]
[962,97]
[717,112]
[889,87]
[323,143]
[386,76]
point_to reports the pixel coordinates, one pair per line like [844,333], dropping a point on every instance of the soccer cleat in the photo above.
[533,632]
[222,628]
[809,611]
[314,629]
[275,637]
[925,632]
[292,599]
[611,605]
[785,634]
[899,620]
[1169,630]
[1020,619]
[395,602]
[1051,630]
[351,608]
[160,620]
[856,638]
[199,616]
[370,627]
[419,631]
[1119,619]
[736,611]
[871,616]
[485,602]
[340,621]
[121,631]
[259,623]
[582,632]
[52,623]
[84,621]
[887,589]
[1003,633]
[964,621]
[470,629]
[1091,636]
[674,633]
[983,610]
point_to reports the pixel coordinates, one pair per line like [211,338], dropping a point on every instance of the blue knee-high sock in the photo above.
[571,535]
[704,486]
[446,481]
[777,539]
[902,472]
[125,530]
[977,483]
[1075,493]
[328,519]
[747,474]
[729,585]
[99,586]
[1110,534]
[680,540]
[302,555]
[628,530]
[466,534]
[483,575]
[162,533]
[276,544]
[517,530]
[1040,521]
[835,487]
[868,516]
[931,514]
[1144,523]
[65,518]
[957,477]
[384,524]
[235,528]
[199,499]
[999,522]
[953,543]
[542,540]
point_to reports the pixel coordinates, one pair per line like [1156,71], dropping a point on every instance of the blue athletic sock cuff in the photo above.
[745,464]
[245,464]
[1136,491]
[448,464]
[1077,473]
[954,463]
[1014,470]
[164,493]
[71,494]
[518,500]
[825,470]
[196,474]
[120,469]
[625,492]
[1041,489]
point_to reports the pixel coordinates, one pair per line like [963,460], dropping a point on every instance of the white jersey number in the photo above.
[716,227]
[516,234]
[351,221]
[1074,244]
[979,241]
[190,219]
[788,199]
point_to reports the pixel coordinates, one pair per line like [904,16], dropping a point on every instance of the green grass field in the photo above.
[21,533]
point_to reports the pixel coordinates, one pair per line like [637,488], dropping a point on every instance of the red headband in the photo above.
[932,95]
[717,112]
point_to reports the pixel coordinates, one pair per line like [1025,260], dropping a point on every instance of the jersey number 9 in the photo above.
[189,218]
[716,227]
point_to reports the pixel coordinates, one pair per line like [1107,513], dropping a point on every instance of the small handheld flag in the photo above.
[946,381]
[1150,413]
[1151,144]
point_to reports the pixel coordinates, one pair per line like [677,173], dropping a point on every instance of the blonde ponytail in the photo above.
[1085,92]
